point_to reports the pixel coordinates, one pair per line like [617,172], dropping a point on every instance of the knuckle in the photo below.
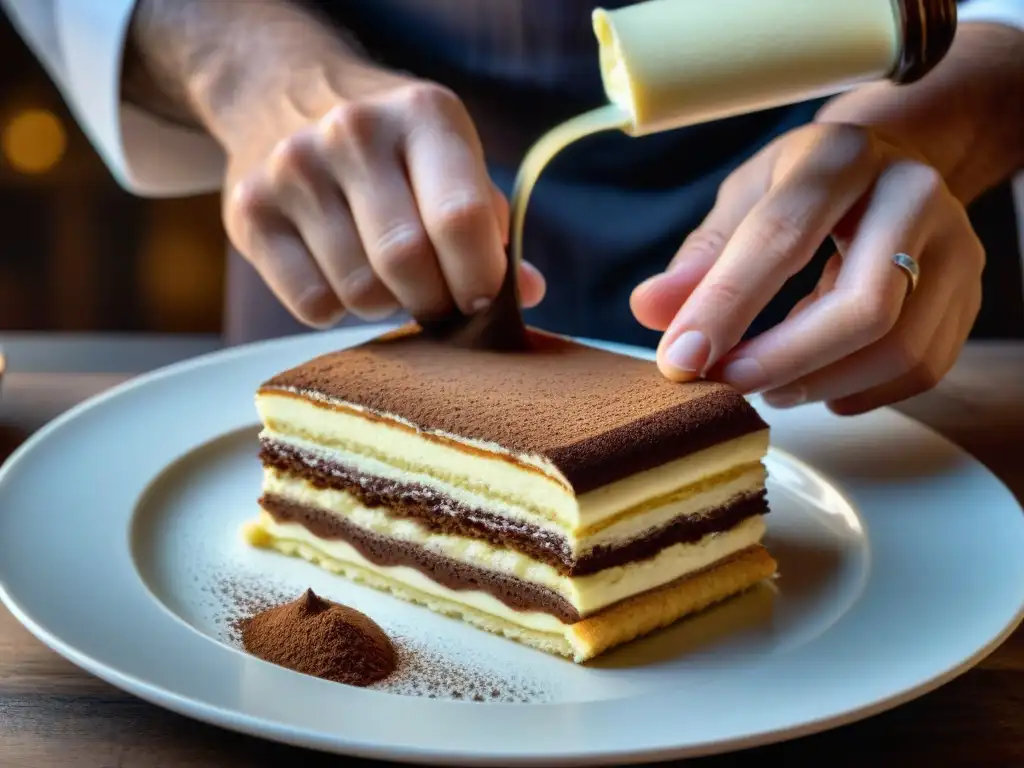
[925,375]
[831,269]
[733,183]
[973,308]
[401,250]
[909,356]
[722,298]
[292,157]
[736,185]
[363,292]
[848,144]
[424,96]
[463,211]
[350,124]
[357,292]
[870,316]
[316,305]
[923,183]
[781,237]
[247,198]
[976,254]
[705,241]
[928,180]
[245,211]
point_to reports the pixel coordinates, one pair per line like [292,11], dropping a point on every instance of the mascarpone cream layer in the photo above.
[587,594]
[617,532]
[482,475]
[692,501]
[267,528]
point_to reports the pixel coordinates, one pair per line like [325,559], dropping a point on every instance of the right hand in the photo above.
[382,203]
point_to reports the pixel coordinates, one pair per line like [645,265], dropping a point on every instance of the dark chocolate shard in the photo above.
[498,328]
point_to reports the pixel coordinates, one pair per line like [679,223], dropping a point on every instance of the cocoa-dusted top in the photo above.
[321,638]
[598,416]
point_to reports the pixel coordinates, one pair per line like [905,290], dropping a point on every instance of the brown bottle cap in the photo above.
[928,30]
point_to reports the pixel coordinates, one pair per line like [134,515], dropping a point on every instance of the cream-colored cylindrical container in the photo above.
[672,63]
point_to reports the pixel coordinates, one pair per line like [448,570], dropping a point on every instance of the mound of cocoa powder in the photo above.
[321,638]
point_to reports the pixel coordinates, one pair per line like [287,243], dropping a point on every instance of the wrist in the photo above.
[962,118]
[283,85]
[229,66]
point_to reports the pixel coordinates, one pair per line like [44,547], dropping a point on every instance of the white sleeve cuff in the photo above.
[1008,12]
[146,155]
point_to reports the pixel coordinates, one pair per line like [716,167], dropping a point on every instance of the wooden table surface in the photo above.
[53,714]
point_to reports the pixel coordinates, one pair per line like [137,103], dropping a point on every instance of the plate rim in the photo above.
[258,726]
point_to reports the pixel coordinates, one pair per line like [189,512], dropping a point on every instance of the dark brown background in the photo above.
[77,252]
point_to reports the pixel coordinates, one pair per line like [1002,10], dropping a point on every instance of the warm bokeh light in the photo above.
[34,141]
[180,275]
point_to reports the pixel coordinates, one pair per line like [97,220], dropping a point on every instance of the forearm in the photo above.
[965,118]
[212,64]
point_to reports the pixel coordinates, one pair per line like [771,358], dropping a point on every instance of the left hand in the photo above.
[858,341]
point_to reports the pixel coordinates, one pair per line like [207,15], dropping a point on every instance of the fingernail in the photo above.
[786,397]
[320,303]
[374,314]
[528,266]
[479,305]
[689,352]
[745,374]
[359,281]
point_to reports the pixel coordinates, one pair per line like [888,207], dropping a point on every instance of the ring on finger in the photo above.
[910,267]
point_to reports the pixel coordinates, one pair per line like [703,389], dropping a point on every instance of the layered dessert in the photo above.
[566,497]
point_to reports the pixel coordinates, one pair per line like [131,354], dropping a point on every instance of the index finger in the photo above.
[908,212]
[809,198]
[456,200]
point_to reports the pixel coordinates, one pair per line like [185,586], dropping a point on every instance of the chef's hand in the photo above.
[858,341]
[886,169]
[370,205]
[349,187]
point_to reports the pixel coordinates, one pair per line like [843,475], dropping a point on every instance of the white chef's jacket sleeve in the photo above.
[80,43]
[1008,12]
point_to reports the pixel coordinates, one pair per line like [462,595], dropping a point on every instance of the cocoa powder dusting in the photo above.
[321,638]
[598,416]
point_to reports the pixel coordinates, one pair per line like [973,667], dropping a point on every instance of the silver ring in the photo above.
[910,266]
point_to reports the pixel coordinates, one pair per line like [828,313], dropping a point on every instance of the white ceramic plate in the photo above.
[900,562]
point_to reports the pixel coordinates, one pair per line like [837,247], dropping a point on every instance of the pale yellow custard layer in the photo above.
[581,641]
[481,476]
[624,582]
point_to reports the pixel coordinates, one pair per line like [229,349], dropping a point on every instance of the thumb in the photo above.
[532,285]
[501,210]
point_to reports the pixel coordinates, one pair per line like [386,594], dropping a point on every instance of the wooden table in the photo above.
[53,714]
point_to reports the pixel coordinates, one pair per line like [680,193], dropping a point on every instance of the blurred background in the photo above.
[76,252]
[79,254]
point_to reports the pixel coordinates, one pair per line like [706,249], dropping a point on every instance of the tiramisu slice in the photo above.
[565,497]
